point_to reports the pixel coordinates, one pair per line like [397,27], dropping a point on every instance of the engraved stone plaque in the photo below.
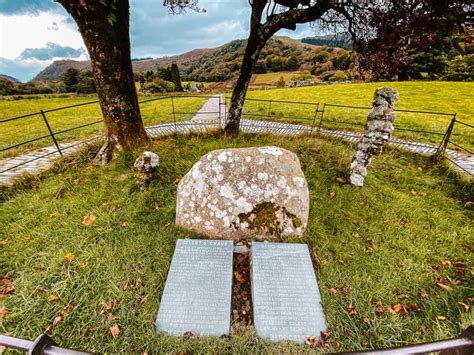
[285,294]
[197,294]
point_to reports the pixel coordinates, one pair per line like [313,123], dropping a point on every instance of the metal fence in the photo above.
[437,131]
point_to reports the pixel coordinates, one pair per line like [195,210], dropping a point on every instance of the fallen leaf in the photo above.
[413,192]
[342,180]
[368,321]
[423,328]
[351,310]
[313,342]
[69,257]
[88,219]
[421,193]
[142,299]
[7,289]
[325,337]
[190,335]
[65,309]
[156,206]
[34,187]
[333,291]
[369,250]
[402,296]
[424,294]
[107,306]
[56,320]
[114,330]
[464,306]
[53,298]
[370,241]
[356,235]
[441,318]
[445,262]
[239,259]
[445,287]
[239,277]
[400,309]
[331,195]
[3,312]
[5,242]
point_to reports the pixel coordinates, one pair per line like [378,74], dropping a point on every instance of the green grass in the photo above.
[450,97]
[131,243]
[25,129]
[432,96]
[272,78]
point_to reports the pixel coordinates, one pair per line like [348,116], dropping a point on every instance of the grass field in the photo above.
[25,129]
[449,97]
[272,78]
[377,249]
[432,96]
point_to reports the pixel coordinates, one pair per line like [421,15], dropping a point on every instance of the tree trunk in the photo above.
[105,30]
[254,46]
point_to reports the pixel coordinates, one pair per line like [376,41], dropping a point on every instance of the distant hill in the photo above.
[342,40]
[9,78]
[213,64]
[58,67]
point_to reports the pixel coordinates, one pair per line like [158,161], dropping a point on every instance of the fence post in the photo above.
[321,120]
[51,132]
[269,109]
[444,143]
[314,118]
[174,116]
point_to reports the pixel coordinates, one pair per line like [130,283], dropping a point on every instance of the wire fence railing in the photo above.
[60,127]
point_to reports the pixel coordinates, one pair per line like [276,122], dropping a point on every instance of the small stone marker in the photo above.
[197,294]
[286,299]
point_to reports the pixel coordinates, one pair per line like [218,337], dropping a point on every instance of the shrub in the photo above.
[339,76]
[281,82]
[460,68]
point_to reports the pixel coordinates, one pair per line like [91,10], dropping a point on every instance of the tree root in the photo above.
[106,152]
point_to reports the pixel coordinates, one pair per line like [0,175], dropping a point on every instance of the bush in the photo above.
[339,76]
[460,68]
[159,86]
[321,57]
[281,83]
[327,75]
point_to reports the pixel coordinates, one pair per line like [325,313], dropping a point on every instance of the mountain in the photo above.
[58,67]
[9,78]
[213,64]
[342,40]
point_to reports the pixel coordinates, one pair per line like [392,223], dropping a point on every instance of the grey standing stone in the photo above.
[286,300]
[378,131]
[197,294]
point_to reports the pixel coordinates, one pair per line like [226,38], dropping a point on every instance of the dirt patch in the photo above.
[242,309]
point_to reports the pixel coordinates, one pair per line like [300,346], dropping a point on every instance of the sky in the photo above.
[34,33]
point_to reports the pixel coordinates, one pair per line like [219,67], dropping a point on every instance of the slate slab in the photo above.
[197,294]
[285,294]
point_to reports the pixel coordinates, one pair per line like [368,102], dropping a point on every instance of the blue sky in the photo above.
[33,33]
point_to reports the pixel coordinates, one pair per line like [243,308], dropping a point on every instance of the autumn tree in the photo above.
[104,26]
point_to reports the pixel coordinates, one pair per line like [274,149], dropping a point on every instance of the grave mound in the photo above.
[259,193]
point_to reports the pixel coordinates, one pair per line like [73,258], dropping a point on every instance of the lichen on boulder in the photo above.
[244,193]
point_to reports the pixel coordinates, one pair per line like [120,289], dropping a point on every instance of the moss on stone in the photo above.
[264,219]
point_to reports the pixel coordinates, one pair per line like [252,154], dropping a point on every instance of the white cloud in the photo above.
[28,31]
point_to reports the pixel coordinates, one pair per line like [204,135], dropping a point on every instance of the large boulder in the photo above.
[244,193]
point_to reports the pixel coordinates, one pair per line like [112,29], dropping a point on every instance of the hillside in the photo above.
[215,64]
[9,78]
